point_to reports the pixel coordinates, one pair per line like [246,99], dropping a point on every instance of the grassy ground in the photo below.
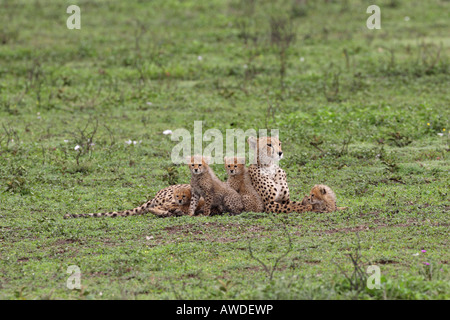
[363,111]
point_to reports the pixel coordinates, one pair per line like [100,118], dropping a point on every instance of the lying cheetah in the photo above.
[165,203]
[239,180]
[219,197]
[322,198]
[269,179]
[182,199]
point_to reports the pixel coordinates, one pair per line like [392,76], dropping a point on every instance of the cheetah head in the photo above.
[267,149]
[234,165]
[197,164]
[182,196]
[318,193]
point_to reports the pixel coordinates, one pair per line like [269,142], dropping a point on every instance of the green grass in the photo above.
[133,71]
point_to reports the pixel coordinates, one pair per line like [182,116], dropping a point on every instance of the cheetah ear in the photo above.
[226,160]
[252,142]
[207,159]
[197,159]
[240,160]
[323,191]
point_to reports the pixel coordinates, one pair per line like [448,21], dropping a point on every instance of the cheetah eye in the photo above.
[229,166]
[192,165]
[235,166]
[199,165]
[269,145]
[312,195]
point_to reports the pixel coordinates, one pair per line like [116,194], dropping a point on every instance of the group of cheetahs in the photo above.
[262,187]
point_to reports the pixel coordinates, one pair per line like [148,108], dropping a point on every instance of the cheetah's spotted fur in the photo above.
[219,197]
[239,180]
[163,204]
[269,179]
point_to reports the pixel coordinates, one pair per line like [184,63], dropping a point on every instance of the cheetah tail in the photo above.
[136,211]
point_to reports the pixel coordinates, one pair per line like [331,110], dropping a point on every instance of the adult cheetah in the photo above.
[269,179]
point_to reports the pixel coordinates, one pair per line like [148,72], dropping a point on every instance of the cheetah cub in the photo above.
[180,204]
[218,196]
[322,198]
[170,201]
[239,180]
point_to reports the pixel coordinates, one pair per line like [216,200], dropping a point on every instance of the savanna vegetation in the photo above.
[82,116]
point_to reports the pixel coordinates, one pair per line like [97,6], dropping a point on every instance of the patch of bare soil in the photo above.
[208,231]
[378,225]
[369,214]
[193,229]
[385,261]
[312,262]
[346,230]
[66,241]
[98,274]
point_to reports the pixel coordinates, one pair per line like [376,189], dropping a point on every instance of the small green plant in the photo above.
[390,165]
[429,56]
[330,84]
[84,140]
[299,9]
[282,35]
[17,181]
[224,287]
[345,144]
[9,136]
[357,281]
[270,115]
[399,140]
[430,269]
[316,141]
[270,269]
[172,175]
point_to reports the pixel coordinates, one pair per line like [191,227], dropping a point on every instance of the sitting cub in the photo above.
[239,180]
[218,196]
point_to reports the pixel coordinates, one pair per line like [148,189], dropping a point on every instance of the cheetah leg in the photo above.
[282,188]
[201,203]
[269,190]
[208,204]
[194,202]
[249,205]
[159,211]
[319,206]
[233,204]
